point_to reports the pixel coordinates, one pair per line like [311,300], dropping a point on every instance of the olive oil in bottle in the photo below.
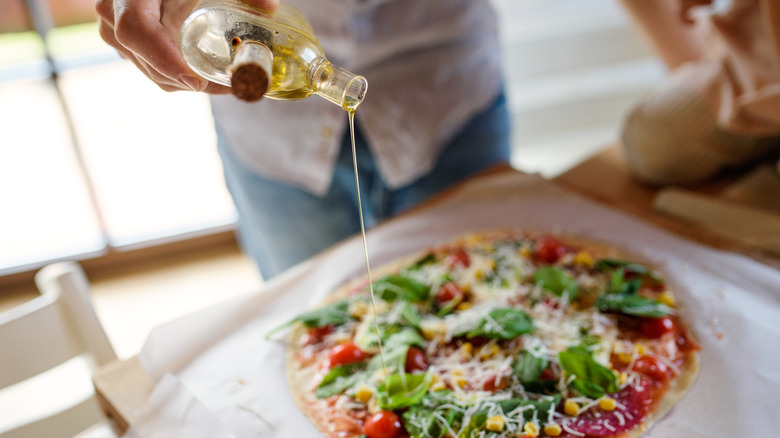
[260,53]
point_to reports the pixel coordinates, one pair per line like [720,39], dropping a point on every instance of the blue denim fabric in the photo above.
[281,225]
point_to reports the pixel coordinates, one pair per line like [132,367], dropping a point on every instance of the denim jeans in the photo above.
[281,225]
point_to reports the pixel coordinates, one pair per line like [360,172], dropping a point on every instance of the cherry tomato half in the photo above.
[383,424]
[549,249]
[449,292]
[492,385]
[459,258]
[652,367]
[415,360]
[656,327]
[345,354]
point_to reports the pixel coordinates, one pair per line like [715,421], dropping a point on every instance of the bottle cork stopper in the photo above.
[249,82]
[251,71]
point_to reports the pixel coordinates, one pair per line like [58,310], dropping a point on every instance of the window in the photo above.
[93,156]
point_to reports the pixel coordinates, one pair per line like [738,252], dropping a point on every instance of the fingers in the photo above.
[269,5]
[137,27]
[106,31]
[687,5]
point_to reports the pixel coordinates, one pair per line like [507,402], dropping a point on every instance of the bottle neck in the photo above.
[338,85]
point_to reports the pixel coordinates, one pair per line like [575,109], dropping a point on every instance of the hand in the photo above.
[147,33]
[687,5]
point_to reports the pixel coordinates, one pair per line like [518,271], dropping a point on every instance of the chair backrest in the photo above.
[48,331]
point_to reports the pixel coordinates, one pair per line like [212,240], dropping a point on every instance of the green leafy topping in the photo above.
[401,390]
[504,323]
[341,378]
[528,368]
[394,287]
[592,379]
[409,314]
[556,280]
[331,314]
[394,349]
[620,285]
[538,409]
[634,305]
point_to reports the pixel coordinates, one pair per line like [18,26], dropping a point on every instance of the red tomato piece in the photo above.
[549,249]
[449,292]
[459,258]
[345,354]
[652,367]
[656,327]
[493,386]
[383,424]
[415,360]
[317,334]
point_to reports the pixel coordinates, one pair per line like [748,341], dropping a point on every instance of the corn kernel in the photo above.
[607,403]
[479,274]
[458,376]
[431,330]
[359,308]
[622,378]
[438,386]
[531,429]
[465,305]
[492,264]
[625,357]
[524,251]
[640,349]
[364,394]
[571,407]
[373,406]
[458,371]
[488,351]
[583,258]
[667,298]
[495,423]
[552,429]
[466,350]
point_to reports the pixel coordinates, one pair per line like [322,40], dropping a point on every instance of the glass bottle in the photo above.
[260,53]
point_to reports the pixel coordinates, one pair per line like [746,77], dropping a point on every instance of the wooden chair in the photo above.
[46,332]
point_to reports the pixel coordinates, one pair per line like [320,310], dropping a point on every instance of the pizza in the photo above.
[495,334]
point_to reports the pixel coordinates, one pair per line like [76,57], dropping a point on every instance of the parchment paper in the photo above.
[223,362]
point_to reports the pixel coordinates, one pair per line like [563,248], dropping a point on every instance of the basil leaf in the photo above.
[366,336]
[395,348]
[401,390]
[619,284]
[556,280]
[634,305]
[331,314]
[529,368]
[393,287]
[339,379]
[409,314]
[420,422]
[579,362]
[540,408]
[505,323]
[587,388]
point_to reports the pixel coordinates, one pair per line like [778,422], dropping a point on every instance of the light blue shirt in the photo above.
[431,65]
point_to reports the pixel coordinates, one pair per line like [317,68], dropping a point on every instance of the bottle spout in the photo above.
[340,86]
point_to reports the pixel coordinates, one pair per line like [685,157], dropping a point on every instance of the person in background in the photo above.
[434,114]
[719,108]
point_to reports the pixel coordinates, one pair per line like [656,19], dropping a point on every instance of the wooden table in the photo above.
[123,387]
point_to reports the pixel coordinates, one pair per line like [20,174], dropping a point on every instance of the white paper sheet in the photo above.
[731,303]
